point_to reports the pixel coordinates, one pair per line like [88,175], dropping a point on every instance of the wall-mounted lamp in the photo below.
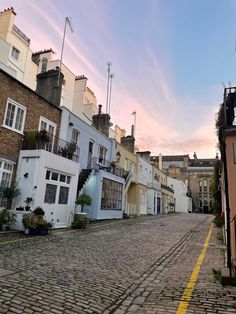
[118,155]
[71,124]
[26,175]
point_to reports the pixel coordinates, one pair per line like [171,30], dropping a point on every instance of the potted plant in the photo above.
[79,221]
[82,200]
[35,224]
[9,193]
[28,201]
[68,150]
[71,148]
[6,219]
[30,140]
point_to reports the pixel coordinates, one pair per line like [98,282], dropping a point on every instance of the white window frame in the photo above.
[102,154]
[48,123]
[18,106]
[2,170]
[75,131]
[58,185]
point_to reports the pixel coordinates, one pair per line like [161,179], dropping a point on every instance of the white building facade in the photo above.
[183,203]
[101,181]
[16,55]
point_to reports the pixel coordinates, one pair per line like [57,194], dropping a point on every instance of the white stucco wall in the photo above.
[87,133]
[180,191]
[25,68]
[144,172]
[94,189]
[36,163]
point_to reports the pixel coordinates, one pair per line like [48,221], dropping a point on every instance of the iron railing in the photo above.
[46,141]
[108,166]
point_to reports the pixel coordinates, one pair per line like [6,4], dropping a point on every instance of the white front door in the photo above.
[57,203]
[143,203]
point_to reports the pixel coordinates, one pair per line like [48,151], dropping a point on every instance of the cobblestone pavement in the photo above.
[134,266]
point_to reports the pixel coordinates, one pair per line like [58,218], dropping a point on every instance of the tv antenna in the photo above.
[67,21]
[109,102]
[108,83]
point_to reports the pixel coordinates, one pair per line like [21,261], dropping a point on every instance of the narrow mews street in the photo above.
[140,265]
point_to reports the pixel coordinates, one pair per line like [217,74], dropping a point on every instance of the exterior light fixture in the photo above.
[118,155]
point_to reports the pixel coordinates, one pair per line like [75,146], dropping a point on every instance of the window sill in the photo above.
[12,129]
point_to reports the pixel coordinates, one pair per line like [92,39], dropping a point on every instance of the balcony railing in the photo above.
[108,166]
[167,188]
[46,141]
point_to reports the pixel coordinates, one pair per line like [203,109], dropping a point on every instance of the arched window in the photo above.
[200,186]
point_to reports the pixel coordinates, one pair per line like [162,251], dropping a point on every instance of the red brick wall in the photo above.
[10,141]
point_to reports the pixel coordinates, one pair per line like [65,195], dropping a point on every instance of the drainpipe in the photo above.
[227,209]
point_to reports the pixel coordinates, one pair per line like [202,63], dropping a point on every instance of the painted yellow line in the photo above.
[184,303]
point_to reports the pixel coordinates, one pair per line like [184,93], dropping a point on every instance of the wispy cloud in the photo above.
[168,121]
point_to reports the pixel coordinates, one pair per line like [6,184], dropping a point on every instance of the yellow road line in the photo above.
[182,309]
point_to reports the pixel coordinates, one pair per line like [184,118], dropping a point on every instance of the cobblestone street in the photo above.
[138,265]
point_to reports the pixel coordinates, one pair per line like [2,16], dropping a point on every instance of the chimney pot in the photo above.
[99,109]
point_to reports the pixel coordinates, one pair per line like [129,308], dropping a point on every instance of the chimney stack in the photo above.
[47,86]
[101,121]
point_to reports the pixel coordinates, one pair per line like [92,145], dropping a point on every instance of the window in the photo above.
[75,136]
[111,194]
[50,194]
[57,191]
[15,53]
[200,186]
[102,154]
[14,116]
[63,195]
[6,169]
[50,127]
[54,176]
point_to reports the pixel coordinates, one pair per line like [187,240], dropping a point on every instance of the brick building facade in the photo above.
[21,110]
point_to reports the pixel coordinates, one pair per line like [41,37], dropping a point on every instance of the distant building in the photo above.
[195,173]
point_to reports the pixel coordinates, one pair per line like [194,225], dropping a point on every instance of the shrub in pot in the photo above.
[80,221]
[35,223]
[82,200]
[7,218]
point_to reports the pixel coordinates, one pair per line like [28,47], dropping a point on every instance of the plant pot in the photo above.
[31,231]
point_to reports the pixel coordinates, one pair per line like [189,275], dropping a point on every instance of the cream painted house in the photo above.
[128,161]
[76,95]
[16,55]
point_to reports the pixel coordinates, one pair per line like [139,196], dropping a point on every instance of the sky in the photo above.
[170,60]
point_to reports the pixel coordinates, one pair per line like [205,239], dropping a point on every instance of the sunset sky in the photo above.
[169,59]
